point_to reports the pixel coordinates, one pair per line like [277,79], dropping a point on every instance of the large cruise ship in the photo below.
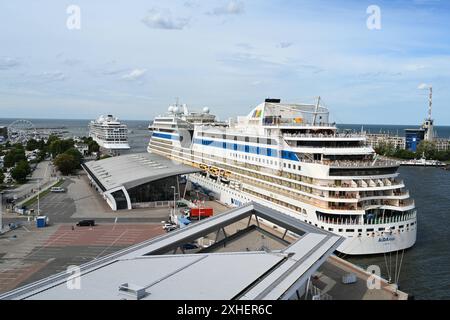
[290,157]
[109,133]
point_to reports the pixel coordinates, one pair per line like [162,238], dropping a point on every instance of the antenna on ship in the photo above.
[316,110]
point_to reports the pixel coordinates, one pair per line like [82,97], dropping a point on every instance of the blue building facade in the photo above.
[413,137]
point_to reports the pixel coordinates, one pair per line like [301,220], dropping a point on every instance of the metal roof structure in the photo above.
[132,170]
[149,271]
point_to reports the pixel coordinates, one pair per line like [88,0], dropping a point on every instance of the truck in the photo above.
[200,213]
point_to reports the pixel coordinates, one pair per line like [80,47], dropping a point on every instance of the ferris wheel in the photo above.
[20,131]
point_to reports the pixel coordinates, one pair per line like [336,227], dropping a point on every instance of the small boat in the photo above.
[422,162]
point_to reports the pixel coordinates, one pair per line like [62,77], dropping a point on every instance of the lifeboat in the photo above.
[214,173]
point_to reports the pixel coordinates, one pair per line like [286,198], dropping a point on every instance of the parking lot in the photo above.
[29,253]
[81,201]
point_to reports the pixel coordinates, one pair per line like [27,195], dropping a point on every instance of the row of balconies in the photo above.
[363,183]
[362,205]
[400,217]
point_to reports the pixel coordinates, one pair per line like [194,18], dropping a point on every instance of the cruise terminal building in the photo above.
[136,180]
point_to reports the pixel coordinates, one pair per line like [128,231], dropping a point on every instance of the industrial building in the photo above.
[161,268]
[375,139]
[136,180]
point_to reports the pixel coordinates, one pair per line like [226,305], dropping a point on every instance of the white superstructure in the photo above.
[290,156]
[109,133]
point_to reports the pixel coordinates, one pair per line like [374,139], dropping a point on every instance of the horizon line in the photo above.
[85,119]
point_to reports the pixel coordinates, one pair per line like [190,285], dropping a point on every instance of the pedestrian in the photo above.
[73,228]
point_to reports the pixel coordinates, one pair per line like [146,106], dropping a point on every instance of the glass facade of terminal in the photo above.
[159,190]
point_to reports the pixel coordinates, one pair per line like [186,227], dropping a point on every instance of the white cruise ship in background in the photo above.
[109,133]
[290,157]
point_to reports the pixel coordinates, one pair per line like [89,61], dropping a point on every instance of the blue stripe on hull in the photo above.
[285,154]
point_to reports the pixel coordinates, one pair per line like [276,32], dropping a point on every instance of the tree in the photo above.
[32,144]
[77,156]
[58,146]
[51,138]
[65,163]
[2,177]
[42,154]
[21,171]
[385,149]
[93,146]
[404,154]
[14,155]
[427,148]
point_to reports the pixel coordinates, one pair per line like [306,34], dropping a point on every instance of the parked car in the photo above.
[169,227]
[181,204]
[86,223]
[190,246]
[57,189]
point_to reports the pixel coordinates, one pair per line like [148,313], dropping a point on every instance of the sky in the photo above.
[135,58]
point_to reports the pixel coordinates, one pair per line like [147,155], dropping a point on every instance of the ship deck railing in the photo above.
[292,122]
[321,135]
[354,164]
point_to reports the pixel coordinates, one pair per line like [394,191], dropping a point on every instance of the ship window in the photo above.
[380,229]
[340,230]
[330,229]
[370,230]
[289,165]
[359,230]
[401,227]
[350,230]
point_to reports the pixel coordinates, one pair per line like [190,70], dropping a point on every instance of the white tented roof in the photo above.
[132,170]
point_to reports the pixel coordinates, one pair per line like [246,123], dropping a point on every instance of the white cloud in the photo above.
[72,62]
[134,74]
[53,76]
[284,45]
[423,86]
[245,46]
[233,7]
[8,63]
[414,67]
[162,19]
[191,4]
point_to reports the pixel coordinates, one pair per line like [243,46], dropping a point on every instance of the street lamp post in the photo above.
[174,208]
[39,191]
[1,211]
